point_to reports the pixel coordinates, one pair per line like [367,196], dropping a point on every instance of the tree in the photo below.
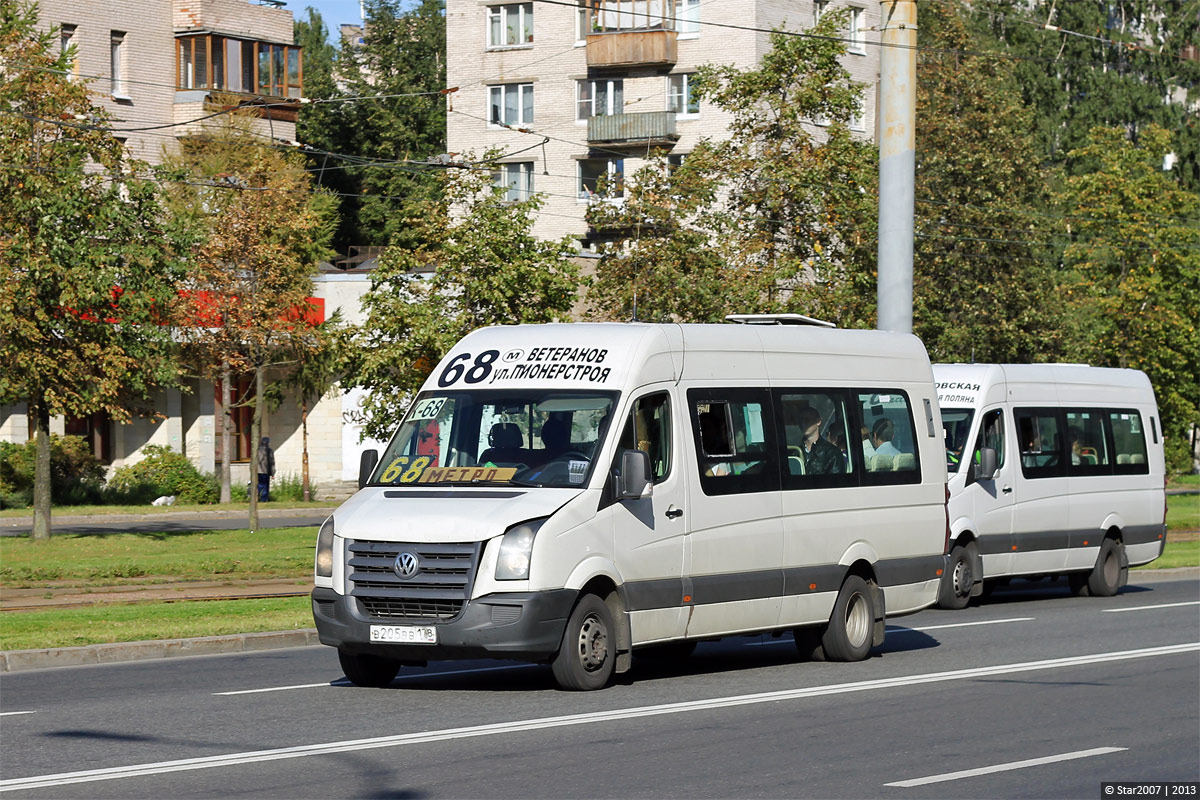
[785,206]
[88,259]
[1133,281]
[1113,63]
[477,264]
[984,264]
[325,127]
[317,366]
[402,64]
[264,229]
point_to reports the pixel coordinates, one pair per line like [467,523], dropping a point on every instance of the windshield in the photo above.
[956,424]
[528,438]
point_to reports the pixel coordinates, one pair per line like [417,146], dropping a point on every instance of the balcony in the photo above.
[628,33]
[646,128]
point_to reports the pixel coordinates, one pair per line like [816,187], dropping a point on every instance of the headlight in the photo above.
[324,564]
[515,550]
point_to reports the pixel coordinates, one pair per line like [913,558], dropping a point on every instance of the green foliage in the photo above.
[775,217]
[76,476]
[983,281]
[290,486]
[487,269]
[162,472]
[1132,281]
[1124,59]
[88,258]
[404,54]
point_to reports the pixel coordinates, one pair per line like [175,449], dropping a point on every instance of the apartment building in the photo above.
[579,90]
[159,65]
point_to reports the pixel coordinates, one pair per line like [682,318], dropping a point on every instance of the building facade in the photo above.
[579,91]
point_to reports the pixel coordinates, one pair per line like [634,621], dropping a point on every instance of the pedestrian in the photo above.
[265,462]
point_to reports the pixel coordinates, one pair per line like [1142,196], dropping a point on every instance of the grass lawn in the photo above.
[1183,512]
[102,511]
[73,627]
[118,558]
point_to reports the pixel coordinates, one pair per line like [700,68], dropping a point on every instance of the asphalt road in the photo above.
[1036,694]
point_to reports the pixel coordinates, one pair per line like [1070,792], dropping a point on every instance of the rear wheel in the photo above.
[959,577]
[1105,578]
[363,669]
[848,637]
[587,654]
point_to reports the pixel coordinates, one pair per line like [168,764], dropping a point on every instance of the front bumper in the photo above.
[527,626]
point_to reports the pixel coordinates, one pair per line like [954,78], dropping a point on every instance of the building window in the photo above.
[208,61]
[819,9]
[510,104]
[633,15]
[516,179]
[687,17]
[675,161]
[681,95]
[582,21]
[601,178]
[117,64]
[66,40]
[856,43]
[510,26]
[858,122]
[599,98]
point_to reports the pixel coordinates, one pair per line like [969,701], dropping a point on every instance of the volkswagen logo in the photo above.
[406,565]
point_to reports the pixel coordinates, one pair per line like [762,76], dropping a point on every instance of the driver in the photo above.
[556,437]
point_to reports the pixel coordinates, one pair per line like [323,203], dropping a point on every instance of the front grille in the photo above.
[438,591]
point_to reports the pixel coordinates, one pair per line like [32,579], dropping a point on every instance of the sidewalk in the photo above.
[167,520]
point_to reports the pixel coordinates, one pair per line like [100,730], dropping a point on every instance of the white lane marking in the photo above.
[961,624]
[348,683]
[515,726]
[1029,762]
[15,713]
[1144,608]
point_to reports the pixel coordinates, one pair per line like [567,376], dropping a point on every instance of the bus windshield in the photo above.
[500,437]
[956,423]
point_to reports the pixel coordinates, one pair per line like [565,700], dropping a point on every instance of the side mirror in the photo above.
[987,464]
[634,478]
[366,465]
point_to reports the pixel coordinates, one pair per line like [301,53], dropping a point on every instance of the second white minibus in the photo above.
[1054,469]
[571,493]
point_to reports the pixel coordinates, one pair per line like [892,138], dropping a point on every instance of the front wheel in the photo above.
[363,669]
[587,654]
[849,635]
[959,577]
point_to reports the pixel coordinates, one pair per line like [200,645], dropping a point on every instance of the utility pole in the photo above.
[897,160]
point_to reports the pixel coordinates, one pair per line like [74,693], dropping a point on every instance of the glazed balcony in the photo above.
[629,33]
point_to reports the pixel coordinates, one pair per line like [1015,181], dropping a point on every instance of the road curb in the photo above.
[167,516]
[20,660]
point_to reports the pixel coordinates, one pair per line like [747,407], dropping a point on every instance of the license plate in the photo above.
[406,634]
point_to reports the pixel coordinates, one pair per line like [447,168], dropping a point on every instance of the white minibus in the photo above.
[1054,469]
[568,493]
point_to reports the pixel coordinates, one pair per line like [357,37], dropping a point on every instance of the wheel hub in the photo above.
[593,643]
[962,577]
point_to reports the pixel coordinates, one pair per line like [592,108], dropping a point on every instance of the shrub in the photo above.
[162,472]
[290,487]
[76,476]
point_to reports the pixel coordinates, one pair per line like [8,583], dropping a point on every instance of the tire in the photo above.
[808,643]
[1105,578]
[959,577]
[363,669]
[848,637]
[587,655]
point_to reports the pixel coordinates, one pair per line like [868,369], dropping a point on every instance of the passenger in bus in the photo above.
[868,448]
[556,436]
[881,437]
[820,457]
